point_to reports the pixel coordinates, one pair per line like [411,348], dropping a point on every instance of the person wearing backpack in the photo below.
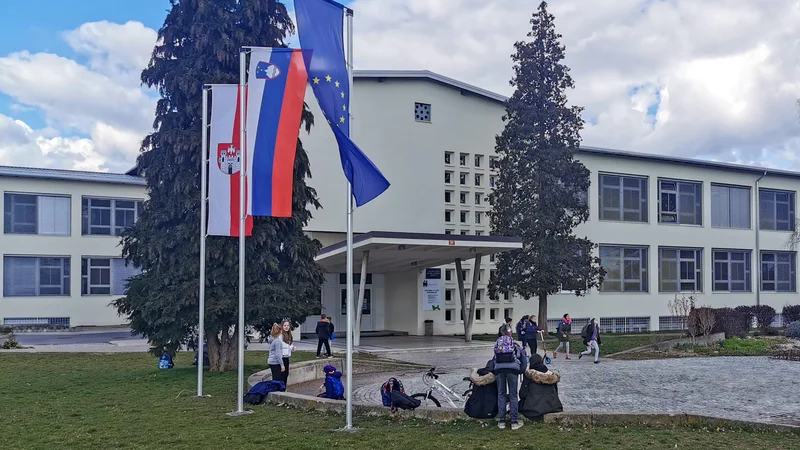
[521,329]
[509,362]
[531,332]
[591,338]
[562,331]
[333,387]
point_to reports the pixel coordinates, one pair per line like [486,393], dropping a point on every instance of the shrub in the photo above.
[11,343]
[747,316]
[793,330]
[731,322]
[765,314]
[701,321]
[791,313]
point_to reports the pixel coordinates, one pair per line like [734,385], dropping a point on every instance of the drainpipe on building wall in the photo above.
[758,245]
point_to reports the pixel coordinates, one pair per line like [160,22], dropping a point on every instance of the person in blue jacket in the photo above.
[531,333]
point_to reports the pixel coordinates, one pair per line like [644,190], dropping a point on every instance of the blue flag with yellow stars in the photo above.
[320,29]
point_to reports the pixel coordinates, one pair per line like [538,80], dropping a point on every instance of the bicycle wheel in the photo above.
[424,398]
[467,393]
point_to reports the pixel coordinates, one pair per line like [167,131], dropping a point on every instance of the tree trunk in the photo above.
[543,313]
[223,351]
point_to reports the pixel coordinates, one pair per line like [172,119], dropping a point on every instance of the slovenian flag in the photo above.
[276,89]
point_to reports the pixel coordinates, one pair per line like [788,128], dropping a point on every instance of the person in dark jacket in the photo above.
[591,339]
[482,402]
[324,332]
[521,329]
[508,365]
[531,333]
[507,326]
[563,331]
[539,392]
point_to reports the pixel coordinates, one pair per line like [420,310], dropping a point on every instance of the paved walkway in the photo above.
[757,388]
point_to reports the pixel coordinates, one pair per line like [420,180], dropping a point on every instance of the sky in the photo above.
[711,79]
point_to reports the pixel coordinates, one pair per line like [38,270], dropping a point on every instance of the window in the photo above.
[449,315]
[478,216]
[108,217]
[366,308]
[448,216]
[776,210]
[477,198]
[448,158]
[479,233]
[463,216]
[479,295]
[422,112]
[623,198]
[680,269]
[105,276]
[356,278]
[624,324]
[462,198]
[448,295]
[681,202]
[778,271]
[462,178]
[492,258]
[493,313]
[508,312]
[478,178]
[32,276]
[448,231]
[731,270]
[730,206]
[448,196]
[448,274]
[36,214]
[465,275]
[493,162]
[626,269]
[448,177]
[506,297]
[462,158]
[671,323]
[478,160]
[492,274]
[464,232]
[492,181]
[479,315]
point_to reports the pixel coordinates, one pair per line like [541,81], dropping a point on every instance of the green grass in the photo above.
[122,401]
[739,347]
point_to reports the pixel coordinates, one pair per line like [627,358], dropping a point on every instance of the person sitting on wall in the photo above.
[333,387]
[539,392]
[482,402]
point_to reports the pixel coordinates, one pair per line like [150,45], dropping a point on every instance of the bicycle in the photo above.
[431,378]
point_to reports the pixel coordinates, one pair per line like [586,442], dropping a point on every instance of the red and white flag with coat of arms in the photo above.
[224,165]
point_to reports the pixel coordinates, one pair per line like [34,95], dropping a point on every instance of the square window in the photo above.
[448,274]
[477,198]
[478,179]
[448,177]
[462,159]
[448,216]
[448,295]
[492,181]
[462,178]
[493,314]
[479,233]
[463,216]
[478,160]
[493,162]
[449,315]
[508,312]
[422,112]
[478,216]
[448,231]
[464,232]
[448,157]
[479,315]
[448,196]
[462,198]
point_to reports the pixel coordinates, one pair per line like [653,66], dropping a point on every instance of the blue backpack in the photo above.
[393,384]
[334,388]
[165,362]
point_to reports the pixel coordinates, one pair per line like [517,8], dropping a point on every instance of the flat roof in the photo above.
[432,76]
[401,252]
[71,175]
[756,170]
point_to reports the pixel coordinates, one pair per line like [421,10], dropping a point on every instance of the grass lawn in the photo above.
[119,401]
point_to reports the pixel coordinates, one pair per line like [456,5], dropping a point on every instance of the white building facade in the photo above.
[664,226]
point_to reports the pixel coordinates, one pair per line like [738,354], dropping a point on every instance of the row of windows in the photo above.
[479,198]
[51,215]
[625,198]
[451,296]
[463,232]
[480,314]
[463,179]
[464,159]
[681,269]
[35,276]
[463,216]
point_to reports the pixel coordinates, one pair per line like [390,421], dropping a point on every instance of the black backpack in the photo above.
[394,396]
[585,331]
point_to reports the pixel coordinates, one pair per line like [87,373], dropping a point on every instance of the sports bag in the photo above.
[165,362]
[391,385]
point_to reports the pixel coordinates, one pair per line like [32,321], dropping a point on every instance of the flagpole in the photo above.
[349,394]
[203,189]
[242,224]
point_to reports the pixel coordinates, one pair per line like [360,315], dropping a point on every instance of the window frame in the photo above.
[114,229]
[8,217]
[730,187]
[679,260]
[65,285]
[775,263]
[643,189]
[644,269]
[678,206]
[87,268]
[729,261]
[790,203]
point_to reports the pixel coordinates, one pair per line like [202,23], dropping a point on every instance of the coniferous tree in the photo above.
[199,43]
[540,193]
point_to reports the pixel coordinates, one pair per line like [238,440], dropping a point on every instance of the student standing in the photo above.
[509,362]
[324,332]
[531,332]
[288,348]
[275,358]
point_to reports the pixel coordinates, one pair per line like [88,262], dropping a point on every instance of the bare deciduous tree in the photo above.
[706,318]
[680,307]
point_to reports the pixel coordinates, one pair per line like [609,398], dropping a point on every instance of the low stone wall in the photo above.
[567,419]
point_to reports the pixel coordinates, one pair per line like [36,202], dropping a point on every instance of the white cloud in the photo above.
[102,102]
[726,71]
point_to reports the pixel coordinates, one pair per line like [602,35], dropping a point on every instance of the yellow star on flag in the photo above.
[342,94]
[337,84]
[328,78]
[316,80]
[341,119]
[344,107]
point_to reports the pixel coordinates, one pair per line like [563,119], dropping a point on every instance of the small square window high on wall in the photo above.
[422,112]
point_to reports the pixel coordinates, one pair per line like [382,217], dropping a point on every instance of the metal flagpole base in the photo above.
[239,413]
[348,429]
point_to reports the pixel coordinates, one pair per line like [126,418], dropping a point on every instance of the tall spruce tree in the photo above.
[540,193]
[199,43]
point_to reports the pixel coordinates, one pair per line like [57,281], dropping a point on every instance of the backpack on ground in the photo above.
[206,360]
[394,396]
[165,362]
[504,349]
[257,394]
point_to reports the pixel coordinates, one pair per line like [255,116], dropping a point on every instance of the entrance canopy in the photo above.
[400,252]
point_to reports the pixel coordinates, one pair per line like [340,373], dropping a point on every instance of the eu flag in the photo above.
[320,28]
